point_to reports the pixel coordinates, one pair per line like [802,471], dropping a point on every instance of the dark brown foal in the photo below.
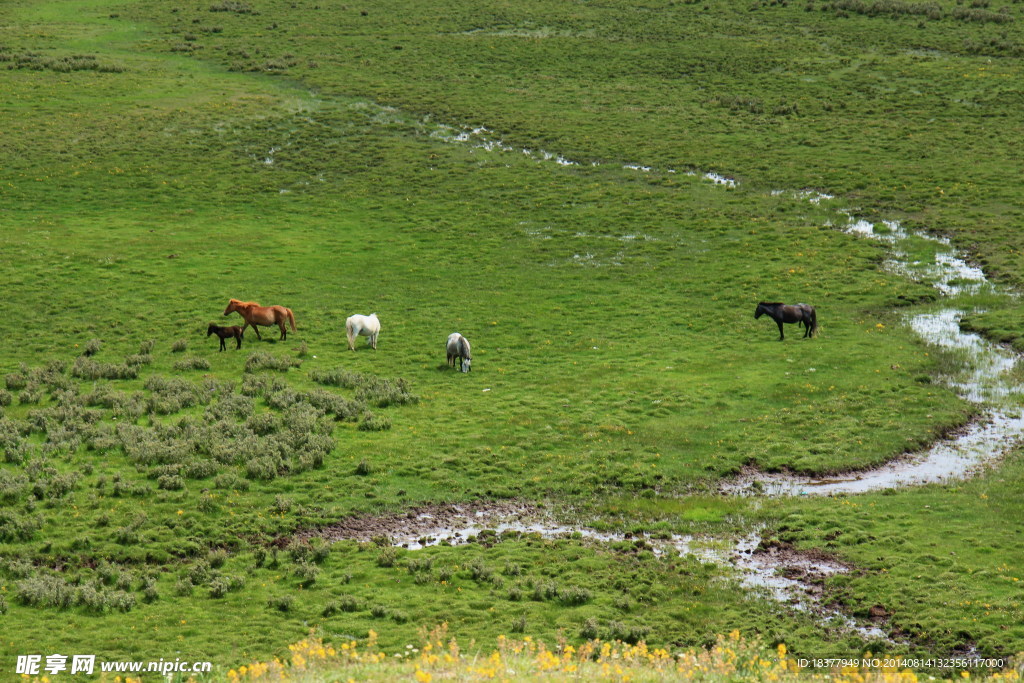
[225,333]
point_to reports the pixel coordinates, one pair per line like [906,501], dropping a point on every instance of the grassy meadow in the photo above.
[160,158]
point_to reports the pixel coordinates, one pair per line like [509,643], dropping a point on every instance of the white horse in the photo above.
[458,347]
[363,326]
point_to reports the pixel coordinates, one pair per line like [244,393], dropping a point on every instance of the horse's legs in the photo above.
[284,334]
[781,335]
[221,342]
[238,340]
[373,341]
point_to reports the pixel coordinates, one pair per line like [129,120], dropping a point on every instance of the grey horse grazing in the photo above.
[458,347]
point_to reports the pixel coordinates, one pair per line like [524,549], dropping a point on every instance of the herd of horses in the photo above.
[368,326]
[456,347]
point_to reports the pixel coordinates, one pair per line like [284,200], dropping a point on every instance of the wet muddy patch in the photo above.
[429,525]
[794,578]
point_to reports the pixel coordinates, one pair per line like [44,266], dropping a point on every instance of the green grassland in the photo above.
[160,158]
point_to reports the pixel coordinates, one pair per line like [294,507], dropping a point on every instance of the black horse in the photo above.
[226,333]
[782,313]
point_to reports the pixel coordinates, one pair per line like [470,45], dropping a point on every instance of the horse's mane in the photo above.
[247,304]
[771,303]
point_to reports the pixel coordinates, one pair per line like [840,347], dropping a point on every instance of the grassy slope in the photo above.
[113,173]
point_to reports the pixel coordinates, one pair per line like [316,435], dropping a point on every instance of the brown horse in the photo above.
[254,315]
[226,333]
[797,313]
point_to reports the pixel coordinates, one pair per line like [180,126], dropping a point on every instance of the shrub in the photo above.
[627,634]
[282,603]
[574,595]
[87,368]
[179,345]
[149,591]
[16,381]
[264,468]
[420,565]
[299,550]
[261,385]
[382,393]
[192,363]
[339,377]
[479,571]
[545,590]
[307,573]
[374,423]
[235,6]
[387,557]
[219,587]
[138,359]
[319,550]
[261,360]
[15,527]
[230,480]
[170,482]
[92,347]
[217,557]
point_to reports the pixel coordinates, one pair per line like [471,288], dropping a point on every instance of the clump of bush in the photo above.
[46,590]
[261,360]
[192,363]
[87,368]
[282,603]
[235,6]
[92,347]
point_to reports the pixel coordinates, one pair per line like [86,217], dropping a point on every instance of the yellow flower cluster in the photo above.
[439,658]
[307,656]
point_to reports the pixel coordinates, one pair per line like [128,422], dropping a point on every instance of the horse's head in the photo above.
[466,362]
[759,311]
[211,329]
[235,305]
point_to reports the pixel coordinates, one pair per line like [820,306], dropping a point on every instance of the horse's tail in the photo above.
[291,318]
[814,322]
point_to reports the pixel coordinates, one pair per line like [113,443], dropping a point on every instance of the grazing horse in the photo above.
[797,313]
[254,315]
[225,333]
[458,347]
[363,326]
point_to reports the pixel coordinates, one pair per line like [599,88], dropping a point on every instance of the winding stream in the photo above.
[790,577]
